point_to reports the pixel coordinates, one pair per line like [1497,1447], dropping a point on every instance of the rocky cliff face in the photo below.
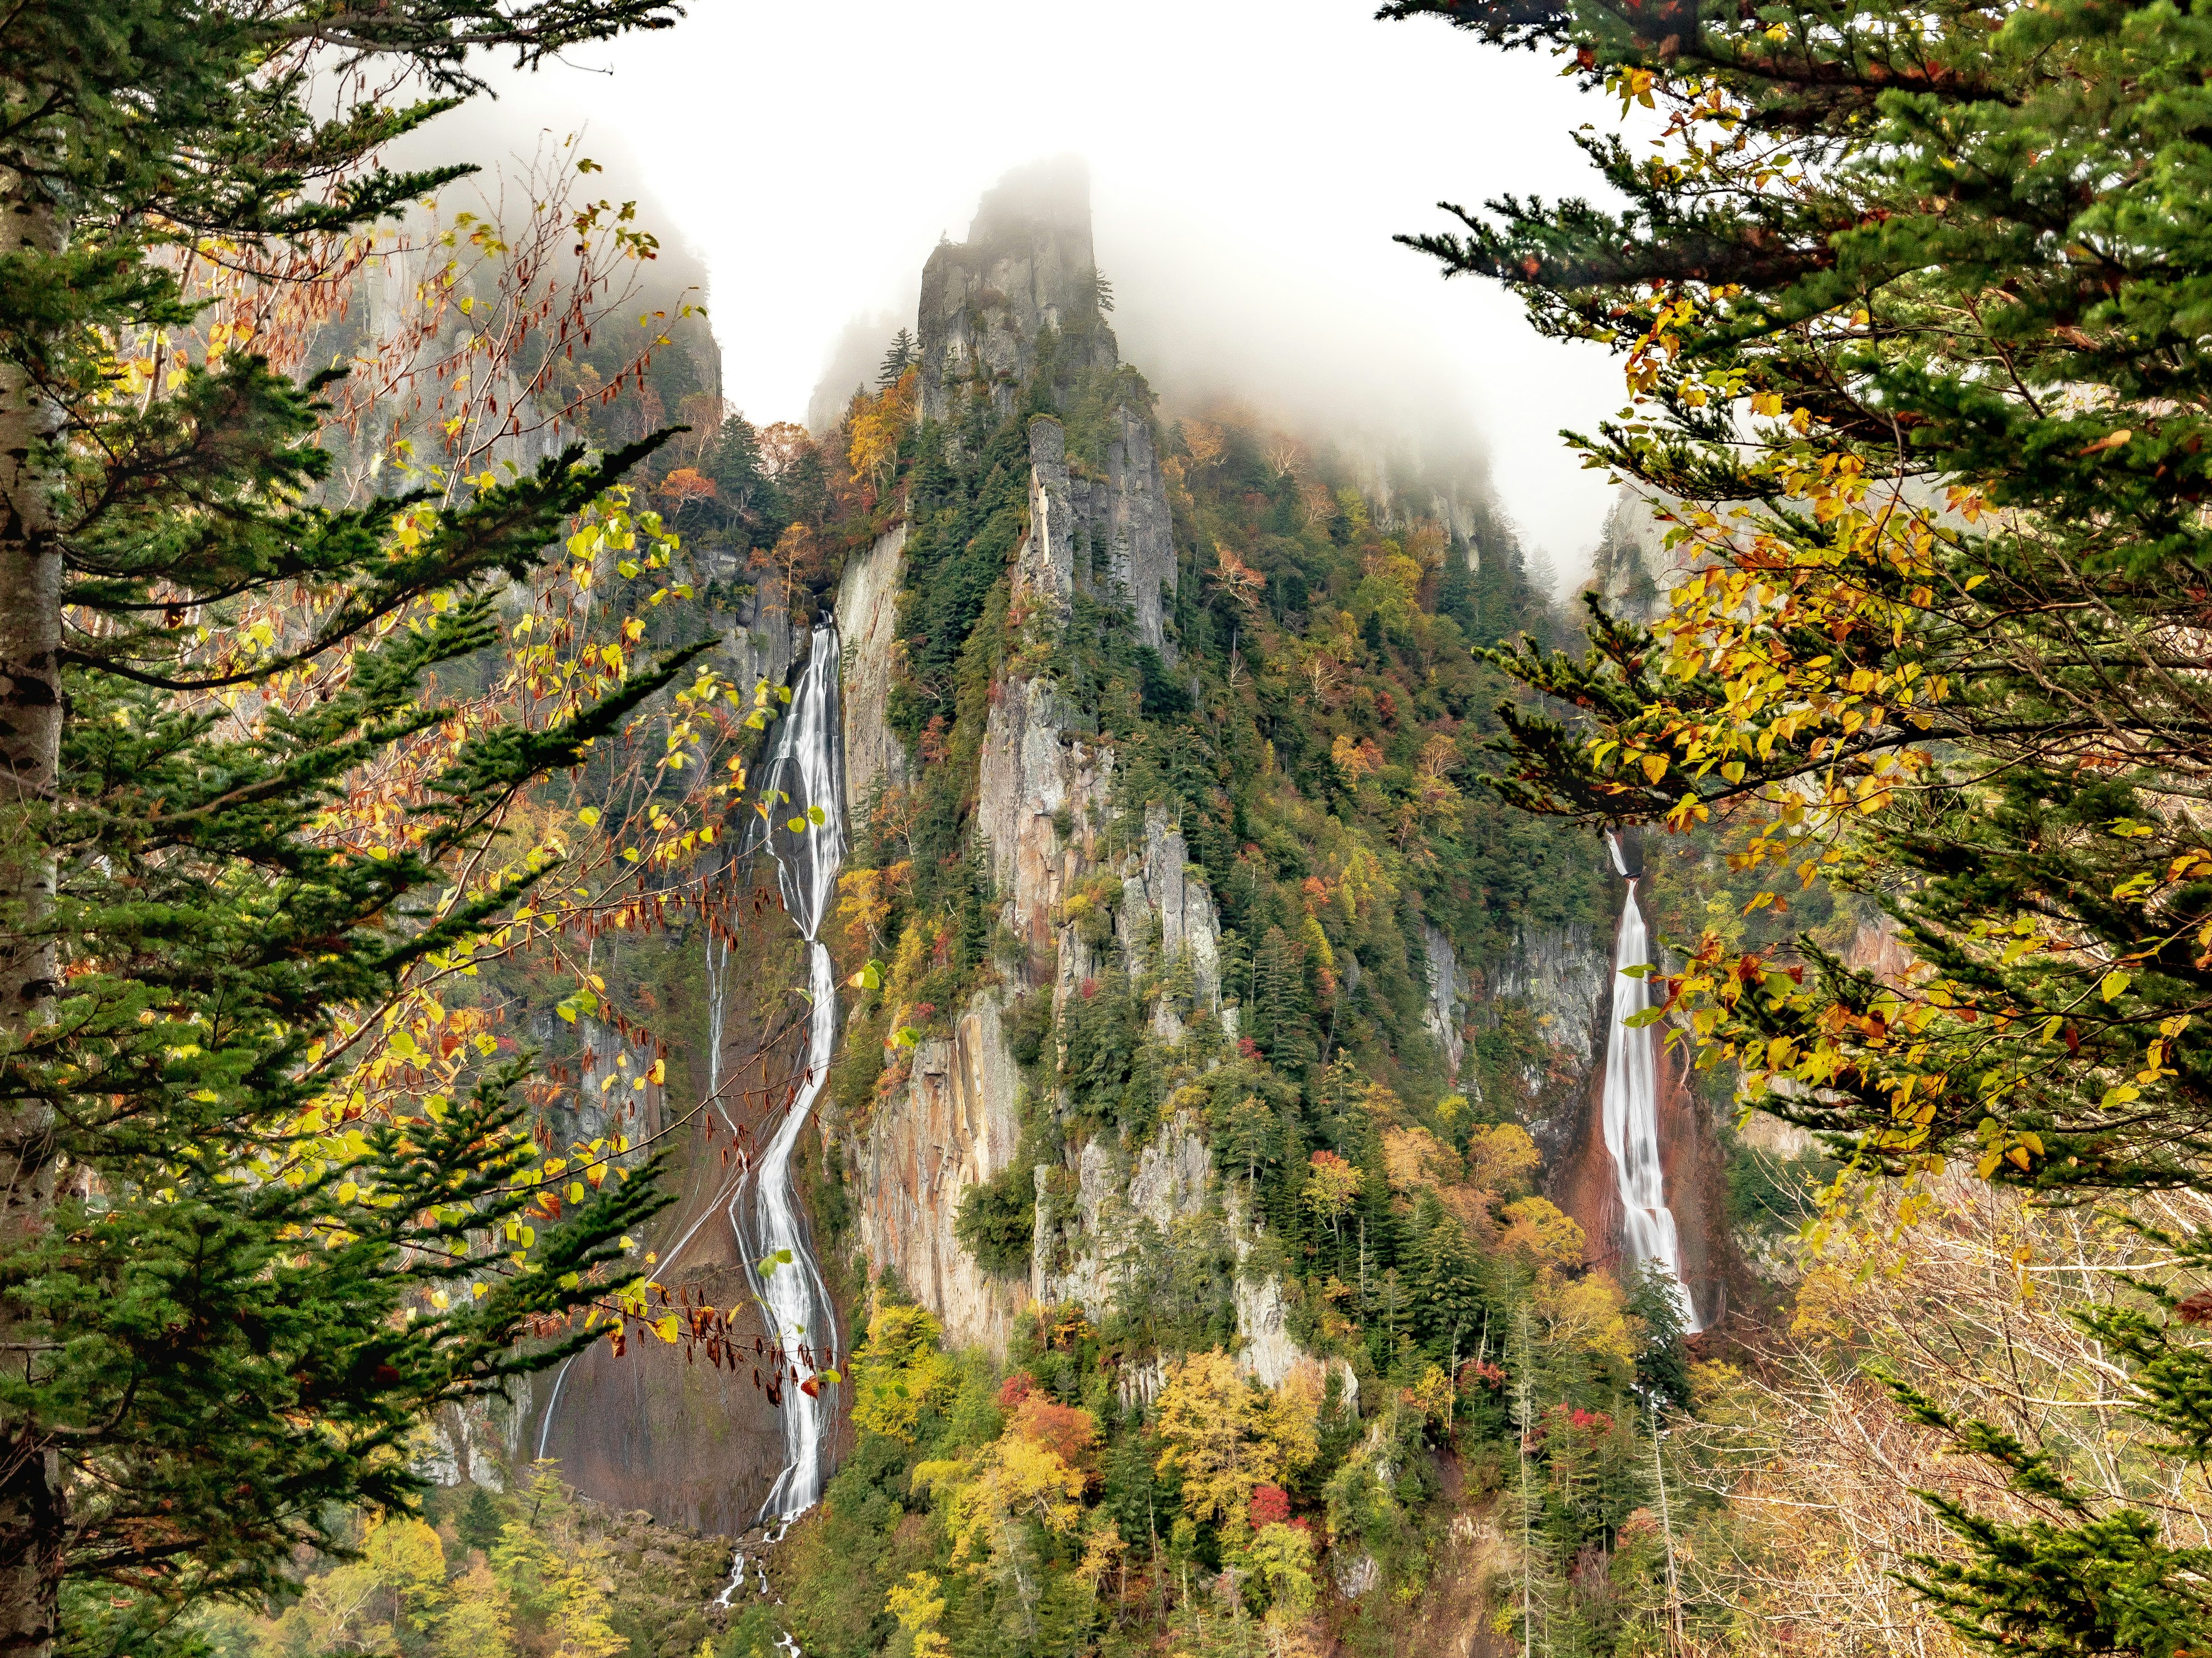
[867,620]
[661,1428]
[1043,799]
[1044,795]
[1561,980]
[1108,534]
[1027,267]
[956,1123]
[1448,992]
[1026,278]
[1099,523]
[1123,516]
[1633,568]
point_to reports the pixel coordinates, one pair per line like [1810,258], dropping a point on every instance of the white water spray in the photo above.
[805,775]
[809,767]
[1631,1105]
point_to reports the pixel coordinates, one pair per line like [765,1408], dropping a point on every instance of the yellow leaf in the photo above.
[1655,766]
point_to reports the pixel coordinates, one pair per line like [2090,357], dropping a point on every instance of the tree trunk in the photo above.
[32,1500]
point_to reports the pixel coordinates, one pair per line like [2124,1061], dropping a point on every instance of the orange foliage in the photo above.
[1067,1432]
[875,426]
[1238,580]
[687,483]
[1204,441]
[1355,760]
[1539,1233]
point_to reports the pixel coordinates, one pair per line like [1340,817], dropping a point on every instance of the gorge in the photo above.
[1098,1063]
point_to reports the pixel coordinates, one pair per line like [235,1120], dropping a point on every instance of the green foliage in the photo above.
[966,509]
[1869,682]
[234,1311]
[997,1218]
[899,358]
[563,1578]
[1662,1358]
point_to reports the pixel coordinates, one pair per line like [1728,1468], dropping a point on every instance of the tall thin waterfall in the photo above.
[806,774]
[1631,1105]
[809,767]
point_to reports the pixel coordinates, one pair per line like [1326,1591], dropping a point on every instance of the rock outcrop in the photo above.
[1564,976]
[1042,798]
[868,622]
[1163,887]
[1633,567]
[1126,1199]
[1448,992]
[1123,519]
[955,1123]
[1099,524]
[689,1441]
[1026,267]
[1027,275]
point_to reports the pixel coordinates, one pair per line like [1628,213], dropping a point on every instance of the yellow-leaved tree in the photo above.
[1225,1436]
[993,1499]
[480,1624]
[876,424]
[898,1372]
[918,1607]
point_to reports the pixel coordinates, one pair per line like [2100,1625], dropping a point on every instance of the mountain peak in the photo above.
[1027,266]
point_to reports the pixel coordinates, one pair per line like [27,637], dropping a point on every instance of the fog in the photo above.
[1248,167]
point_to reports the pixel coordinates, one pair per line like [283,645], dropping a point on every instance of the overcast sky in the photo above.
[1249,161]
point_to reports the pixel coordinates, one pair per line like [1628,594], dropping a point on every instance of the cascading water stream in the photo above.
[809,768]
[805,777]
[1631,1105]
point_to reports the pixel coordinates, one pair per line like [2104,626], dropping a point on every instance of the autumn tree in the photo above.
[1223,1437]
[1332,1187]
[1025,1480]
[898,1372]
[480,1623]
[875,425]
[229,1297]
[1906,302]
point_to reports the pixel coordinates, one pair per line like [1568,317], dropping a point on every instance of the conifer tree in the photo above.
[222,1316]
[900,357]
[1910,300]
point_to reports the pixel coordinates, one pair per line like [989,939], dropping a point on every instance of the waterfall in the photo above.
[809,768]
[1631,1105]
[805,773]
